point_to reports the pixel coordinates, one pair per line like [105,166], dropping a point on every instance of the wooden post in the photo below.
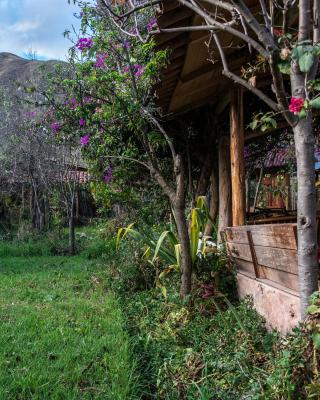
[237,158]
[224,185]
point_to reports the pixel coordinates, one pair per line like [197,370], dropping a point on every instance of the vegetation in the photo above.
[62,330]
[85,314]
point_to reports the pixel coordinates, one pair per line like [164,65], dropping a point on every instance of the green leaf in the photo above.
[315,103]
[313,309]
[253,125]
[284,67]
[302,114]
[316,50]
[298,52]
[164,291]
[316,340]
[306,61]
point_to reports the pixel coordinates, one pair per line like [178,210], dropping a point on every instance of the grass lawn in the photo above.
[61,332]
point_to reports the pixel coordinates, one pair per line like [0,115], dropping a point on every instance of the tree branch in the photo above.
[225,28]
[273,105]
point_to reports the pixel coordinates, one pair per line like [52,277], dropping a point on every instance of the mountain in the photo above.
[14,68]
[16,72]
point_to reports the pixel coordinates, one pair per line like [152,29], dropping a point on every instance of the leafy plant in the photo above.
[165,250]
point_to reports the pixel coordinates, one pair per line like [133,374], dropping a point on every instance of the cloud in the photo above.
[36,25]
[25,26]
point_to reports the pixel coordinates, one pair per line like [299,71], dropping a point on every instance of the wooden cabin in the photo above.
[264,252]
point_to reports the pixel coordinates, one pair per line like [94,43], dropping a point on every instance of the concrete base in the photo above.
[279,306]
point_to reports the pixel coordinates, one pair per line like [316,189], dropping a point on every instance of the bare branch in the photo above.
[273,105]
[261,31]
[225,28]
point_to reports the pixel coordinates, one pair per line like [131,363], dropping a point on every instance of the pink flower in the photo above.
[152,23]
[277,32]
[296,104]
[55,126]
[100,60]
[84,43]
[139,70]
[85,140]
[209,291]
[109,175]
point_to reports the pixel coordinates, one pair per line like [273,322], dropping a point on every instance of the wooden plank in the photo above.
[286,279]
[280,236]
[177,15]
[245,266]
[282,278]
[237,250]
[236,235]
[280,259]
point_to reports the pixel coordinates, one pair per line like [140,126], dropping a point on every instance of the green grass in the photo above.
[61,332]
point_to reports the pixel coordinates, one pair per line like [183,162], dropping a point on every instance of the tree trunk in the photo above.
[306,212]
[33,213]
[186,261]
[72,239]
[42,214]
[306,202]
[214,203]
[72,247]
[177,199]
[224,186]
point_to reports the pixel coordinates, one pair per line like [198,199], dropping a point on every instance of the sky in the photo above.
[37,26]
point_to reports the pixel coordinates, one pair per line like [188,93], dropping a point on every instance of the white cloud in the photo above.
[25,26]
[36,25]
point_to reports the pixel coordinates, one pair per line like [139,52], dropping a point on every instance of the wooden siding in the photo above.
[267,252]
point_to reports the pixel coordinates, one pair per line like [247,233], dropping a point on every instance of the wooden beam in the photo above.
[237,157]
[175,16]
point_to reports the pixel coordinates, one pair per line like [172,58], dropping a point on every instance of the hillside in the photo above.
[16,72]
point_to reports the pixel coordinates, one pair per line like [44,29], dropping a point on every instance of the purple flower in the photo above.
[87,100]
[82,122]
[126,44]
[152,23]
[84,43]
[85,140]
[100,60]
[109,175]
[55,126]
[30,114]
[138,70]
[72,103]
